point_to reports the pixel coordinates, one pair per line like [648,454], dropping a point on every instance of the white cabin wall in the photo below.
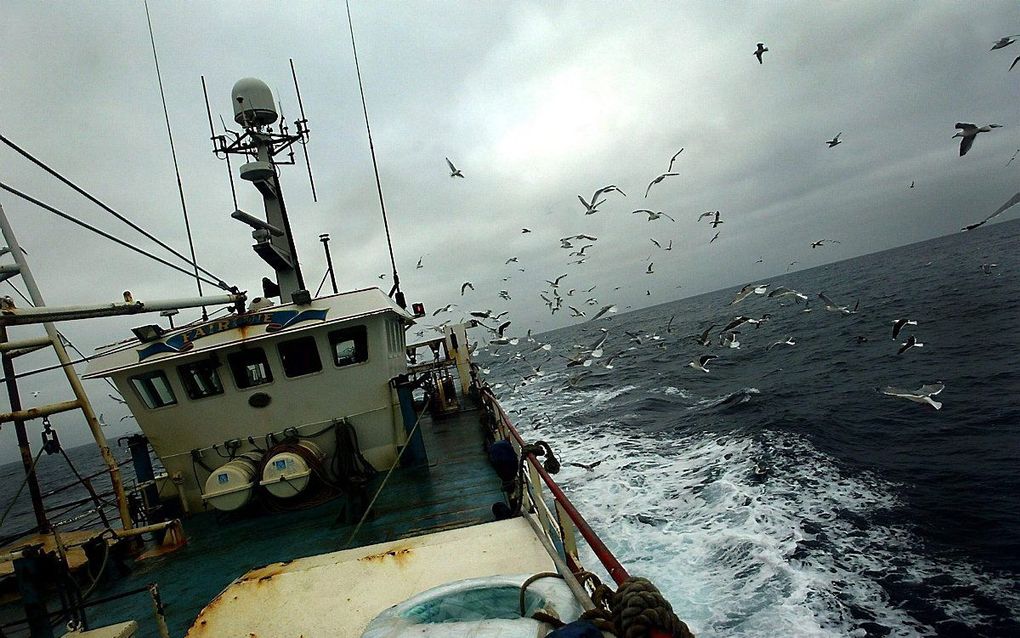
[359,392]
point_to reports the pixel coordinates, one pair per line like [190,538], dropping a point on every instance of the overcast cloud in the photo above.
[536,103]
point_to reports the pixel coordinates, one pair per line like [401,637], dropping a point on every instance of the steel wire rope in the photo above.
[219,282]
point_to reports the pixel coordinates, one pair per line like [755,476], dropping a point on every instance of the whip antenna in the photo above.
[302,129]
[223,141]
[173,153]
[375,167]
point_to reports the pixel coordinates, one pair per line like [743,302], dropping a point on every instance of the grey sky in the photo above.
[536,103]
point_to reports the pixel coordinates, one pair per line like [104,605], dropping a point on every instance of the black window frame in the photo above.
[150,392]
[237,365]
[188,383]
[312,349]
[359,335]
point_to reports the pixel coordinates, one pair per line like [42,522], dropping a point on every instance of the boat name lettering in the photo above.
[273,321]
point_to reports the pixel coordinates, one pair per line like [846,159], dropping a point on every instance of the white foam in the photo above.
[742,533]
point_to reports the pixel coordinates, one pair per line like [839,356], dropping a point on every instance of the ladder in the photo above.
[12,349]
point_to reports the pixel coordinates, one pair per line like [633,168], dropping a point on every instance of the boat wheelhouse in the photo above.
[233,390]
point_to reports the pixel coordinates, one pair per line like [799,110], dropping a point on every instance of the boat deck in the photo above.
[455,489]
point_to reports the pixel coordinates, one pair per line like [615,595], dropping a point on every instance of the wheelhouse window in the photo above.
[154,389]
[200,379]
[250,367]
[300,356]
[349,345]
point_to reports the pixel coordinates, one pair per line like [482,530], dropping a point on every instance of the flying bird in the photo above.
[831,306]
[556,282]
[736,322]
[783,291]
[607,189]
[525,230]
[1014,63]
[652,216]
[454,171]
[835,140]
[649,271]
[911,342]
[788,342]
[591,208]
[761,49]
[700,363]
[923,394]
[898,325]
[603,310]
[1013,201]
[707,214]
[715,237]
[445,308]
[419,266]
[465,286]
[816,244]
[704,338]
[1004,41]
[659,179]
[748,290]
[673,159]
[587,466]
[969,131]
[715,222]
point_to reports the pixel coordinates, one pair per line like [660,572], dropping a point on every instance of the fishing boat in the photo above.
[302,470]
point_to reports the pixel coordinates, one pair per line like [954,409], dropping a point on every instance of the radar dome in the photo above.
[253,103]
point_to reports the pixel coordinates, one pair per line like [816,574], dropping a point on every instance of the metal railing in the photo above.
[566,522]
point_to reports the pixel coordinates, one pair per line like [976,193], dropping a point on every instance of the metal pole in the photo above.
[19,429]
[324,238]
[41,314]
[69,372]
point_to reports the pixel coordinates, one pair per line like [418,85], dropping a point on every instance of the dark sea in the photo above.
[781,494]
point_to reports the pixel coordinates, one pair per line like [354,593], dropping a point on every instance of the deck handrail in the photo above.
[613,566]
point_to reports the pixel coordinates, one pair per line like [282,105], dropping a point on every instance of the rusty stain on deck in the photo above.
[400,555]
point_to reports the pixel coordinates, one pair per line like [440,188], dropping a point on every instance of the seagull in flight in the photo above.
[761,49]
[898,325]
[715,222]
[911,342]
[465,286]
[704,338]
[454,171]
[652,216]
[1013,201]
[714,238]
[702,362]
[707,214]
[969,131]
[593,207]
[659,179]
[673,159]
[649,271]
[816,244]
[1004,41]
[748,290]
[512,260]
[835,140]
[831,306]
[419,266]
[556,282]
[445,308]
[783,291]
[788,342]
[604,310]
[525,230]
[1014,63]
[607,189]
[923,394]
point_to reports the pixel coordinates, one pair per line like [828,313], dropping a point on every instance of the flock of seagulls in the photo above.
[563,294]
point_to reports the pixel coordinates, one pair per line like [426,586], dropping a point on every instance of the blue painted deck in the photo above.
[456,489]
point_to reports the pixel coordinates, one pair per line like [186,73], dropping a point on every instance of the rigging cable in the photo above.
[375,164]
[173,154]
[219,282]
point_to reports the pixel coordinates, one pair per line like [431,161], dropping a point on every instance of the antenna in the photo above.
[219,138]
[173,153]
[302,127]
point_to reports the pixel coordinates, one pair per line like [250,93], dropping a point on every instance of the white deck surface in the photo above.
[337,594]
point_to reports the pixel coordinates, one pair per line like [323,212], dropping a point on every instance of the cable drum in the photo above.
[287,468]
